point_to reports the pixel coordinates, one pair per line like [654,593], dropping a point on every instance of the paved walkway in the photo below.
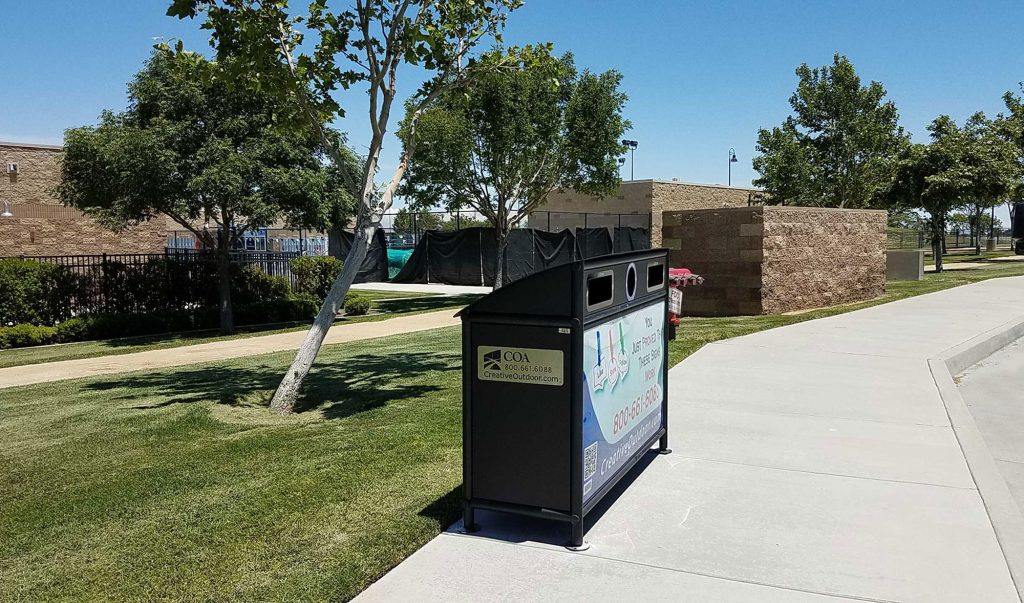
[424,288]
[218,350]
[814,462]
[994,393]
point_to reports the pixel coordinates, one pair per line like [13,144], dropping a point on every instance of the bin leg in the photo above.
[663,444]
[576,538]
[469,519]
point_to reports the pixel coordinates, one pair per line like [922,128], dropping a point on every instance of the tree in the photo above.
[307,58]
[937,178]
[991,171]
[502,145]
[416,221]
[837,148]
[1011,126]
[191,148]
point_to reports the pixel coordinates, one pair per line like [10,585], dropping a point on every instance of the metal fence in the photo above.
[404,229]
[147,282]
[299,241]
[903,238]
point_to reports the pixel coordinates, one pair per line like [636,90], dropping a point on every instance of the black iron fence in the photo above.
[905,238]
[151,282]
[404,229]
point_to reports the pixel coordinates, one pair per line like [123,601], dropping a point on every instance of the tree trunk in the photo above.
[938,241]
[977,237]
[227,318]
[499,269]
[288,391]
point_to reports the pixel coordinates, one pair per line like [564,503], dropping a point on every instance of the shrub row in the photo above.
[293,308]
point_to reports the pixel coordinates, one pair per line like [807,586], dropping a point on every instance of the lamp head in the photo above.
[7,210]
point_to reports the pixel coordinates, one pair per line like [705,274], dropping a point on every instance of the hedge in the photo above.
[315,275]
[293,308]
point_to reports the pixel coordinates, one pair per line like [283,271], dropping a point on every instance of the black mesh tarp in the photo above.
[529,250]
[593,242]
[375,265]
[467,257]
[631,238]
[460,257]
[1017,230]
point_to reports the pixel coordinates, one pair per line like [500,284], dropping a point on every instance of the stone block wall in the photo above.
[42,226]
[770,260]
[642,198]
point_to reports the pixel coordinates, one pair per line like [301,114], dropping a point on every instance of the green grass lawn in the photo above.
[179,484]
[387,304]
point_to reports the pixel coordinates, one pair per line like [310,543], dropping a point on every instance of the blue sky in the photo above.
[701,76]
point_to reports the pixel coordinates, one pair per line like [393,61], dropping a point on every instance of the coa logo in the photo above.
[492,360]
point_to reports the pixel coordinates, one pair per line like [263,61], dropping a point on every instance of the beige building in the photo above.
[40,225]
[637,203]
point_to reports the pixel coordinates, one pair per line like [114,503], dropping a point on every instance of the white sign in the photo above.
[675,301]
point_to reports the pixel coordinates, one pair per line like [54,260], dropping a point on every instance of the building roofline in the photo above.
[702,184]
[31,145]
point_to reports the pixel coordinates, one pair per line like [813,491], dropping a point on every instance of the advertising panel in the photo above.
[623,391]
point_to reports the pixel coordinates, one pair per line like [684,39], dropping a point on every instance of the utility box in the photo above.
[564,386]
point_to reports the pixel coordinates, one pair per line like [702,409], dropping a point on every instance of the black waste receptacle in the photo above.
[564,381]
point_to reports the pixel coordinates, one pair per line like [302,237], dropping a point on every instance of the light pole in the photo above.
[732,160]
[631,145]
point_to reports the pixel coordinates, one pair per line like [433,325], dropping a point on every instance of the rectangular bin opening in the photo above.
[655,276]
[599,291]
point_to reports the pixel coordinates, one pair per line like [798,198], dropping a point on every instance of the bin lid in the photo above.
[545,293]
[550,292]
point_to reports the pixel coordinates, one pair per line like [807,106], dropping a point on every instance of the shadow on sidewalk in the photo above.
[518,528]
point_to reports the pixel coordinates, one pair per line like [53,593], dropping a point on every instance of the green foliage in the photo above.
[195,149]
[25,335]
[314,276]
[356,304]
[521,130]
[35,292]
[416,221]
[249,285]
[838,147]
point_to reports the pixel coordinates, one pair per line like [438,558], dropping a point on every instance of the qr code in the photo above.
[589,461]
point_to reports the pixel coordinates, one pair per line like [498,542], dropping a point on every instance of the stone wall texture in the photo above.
[42,226]
[642,198]
[770,260]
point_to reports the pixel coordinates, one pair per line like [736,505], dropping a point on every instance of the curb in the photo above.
[1004,514]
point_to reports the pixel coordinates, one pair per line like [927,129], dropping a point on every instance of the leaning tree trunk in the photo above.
[288,391]
[227,318]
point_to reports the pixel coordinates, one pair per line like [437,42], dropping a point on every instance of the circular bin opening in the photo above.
[631,282]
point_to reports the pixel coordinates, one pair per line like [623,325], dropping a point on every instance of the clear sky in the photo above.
[701,76]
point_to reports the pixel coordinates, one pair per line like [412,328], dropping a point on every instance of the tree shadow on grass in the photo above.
[339,389]
[420,304]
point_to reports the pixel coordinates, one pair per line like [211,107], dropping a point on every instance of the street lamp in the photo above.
[732,160]
[7,210]
[631,145]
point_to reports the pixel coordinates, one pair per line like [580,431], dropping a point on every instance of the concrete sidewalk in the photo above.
[219,350]
[435,288]
[814,462]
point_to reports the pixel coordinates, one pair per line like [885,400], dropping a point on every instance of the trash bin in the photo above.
[564,381]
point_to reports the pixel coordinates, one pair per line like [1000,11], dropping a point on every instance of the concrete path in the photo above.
[814,462]
[218,350]
[424,288]
[994,393]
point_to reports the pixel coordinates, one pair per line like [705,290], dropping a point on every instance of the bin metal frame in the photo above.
[577,320]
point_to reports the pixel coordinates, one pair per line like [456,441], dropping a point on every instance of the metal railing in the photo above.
[147,282]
